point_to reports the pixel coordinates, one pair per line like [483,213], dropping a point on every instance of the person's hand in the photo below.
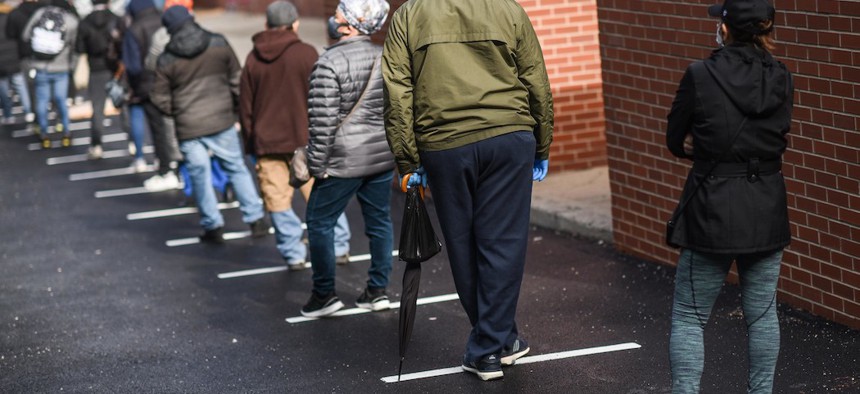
[419,177]
[688,144]
[540,169]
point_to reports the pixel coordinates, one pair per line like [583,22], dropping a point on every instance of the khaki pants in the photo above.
[273,172]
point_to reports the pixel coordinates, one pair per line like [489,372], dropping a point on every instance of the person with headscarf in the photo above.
[730,117]
[348,155]
[197,83]
[468,110]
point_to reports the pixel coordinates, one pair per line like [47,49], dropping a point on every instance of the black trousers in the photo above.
[482,193]
[98,95]
[163,137]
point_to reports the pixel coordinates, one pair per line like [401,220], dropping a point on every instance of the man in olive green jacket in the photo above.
[469,108]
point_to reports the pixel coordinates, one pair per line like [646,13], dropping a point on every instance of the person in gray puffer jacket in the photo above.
[348,153]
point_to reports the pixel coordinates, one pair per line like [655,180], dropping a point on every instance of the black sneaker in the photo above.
[373,299]
[510,354]
[214,236]
[260,228]
[319,306]
[487,368]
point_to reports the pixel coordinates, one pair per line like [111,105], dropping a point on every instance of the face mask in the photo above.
[720,34]
[333,27]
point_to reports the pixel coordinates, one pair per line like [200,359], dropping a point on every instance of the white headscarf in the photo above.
[367,16]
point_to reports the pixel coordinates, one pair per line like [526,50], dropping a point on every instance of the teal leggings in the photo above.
[697,285]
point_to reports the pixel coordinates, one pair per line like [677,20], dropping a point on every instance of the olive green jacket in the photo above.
[461,71]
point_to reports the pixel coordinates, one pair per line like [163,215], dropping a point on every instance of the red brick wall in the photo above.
[568,33]
[647,44]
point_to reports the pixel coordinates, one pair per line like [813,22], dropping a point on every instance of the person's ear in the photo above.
[296,25]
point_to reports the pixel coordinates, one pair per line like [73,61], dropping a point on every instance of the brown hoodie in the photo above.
[273,95]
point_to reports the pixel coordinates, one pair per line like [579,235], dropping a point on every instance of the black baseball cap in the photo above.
[744,14]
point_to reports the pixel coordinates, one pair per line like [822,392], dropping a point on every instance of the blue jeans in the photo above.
[288,236]
[57,85]
[19,84]
[697,284]
[327,202]
[137,121]
[227,149]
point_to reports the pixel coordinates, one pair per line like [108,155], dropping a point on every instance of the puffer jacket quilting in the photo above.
[353,147]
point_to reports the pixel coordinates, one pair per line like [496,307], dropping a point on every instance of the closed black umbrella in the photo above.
[418,242]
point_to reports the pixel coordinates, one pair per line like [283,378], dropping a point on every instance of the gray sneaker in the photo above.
[510,354]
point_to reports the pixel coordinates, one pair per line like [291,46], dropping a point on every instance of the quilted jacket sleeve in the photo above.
[323,117]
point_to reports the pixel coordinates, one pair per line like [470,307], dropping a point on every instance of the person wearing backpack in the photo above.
[14,30]
[94,37]
[51,34]
[10,69]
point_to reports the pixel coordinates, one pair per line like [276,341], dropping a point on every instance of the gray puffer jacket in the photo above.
[343,145]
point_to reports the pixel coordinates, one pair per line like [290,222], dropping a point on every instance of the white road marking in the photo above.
[525,360]
[110,154]
[81,141]
[74,126]
[359,311]
[196,240]
[108,173]
[175,211]
[123,192]
[281,268]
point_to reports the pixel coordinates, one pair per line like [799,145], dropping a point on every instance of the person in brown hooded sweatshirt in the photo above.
[273,107]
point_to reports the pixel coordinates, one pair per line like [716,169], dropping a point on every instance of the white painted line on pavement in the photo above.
[359,311]
[82,141]
[175,212]
[72,126]
[108,173]
[280,268]
[525,360]
[123,192]
[110,154]
[196,240]
[22,133]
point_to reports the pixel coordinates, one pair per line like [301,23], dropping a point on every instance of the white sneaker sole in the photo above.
[324,311]
[512,359]
[377,306]
[484,375]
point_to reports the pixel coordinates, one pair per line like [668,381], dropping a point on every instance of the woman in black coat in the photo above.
[730,117]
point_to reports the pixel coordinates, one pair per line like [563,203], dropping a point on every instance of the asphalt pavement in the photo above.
[102,289]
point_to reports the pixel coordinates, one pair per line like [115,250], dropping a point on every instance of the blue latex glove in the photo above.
[416,178]
[540,169]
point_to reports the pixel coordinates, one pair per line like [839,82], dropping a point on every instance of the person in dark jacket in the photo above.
[197,83]
[11,70]
[273,112]
[94,36]
[468,99]
[348,154]
[730,116]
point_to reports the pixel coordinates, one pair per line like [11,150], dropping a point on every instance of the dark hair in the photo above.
[764,41]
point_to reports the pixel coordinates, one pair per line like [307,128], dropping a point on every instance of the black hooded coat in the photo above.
[742,206]
[94,38]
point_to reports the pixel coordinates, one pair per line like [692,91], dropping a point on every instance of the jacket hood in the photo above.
[135,7]
[190,41]
[269,45]
[100,18]
[755,82]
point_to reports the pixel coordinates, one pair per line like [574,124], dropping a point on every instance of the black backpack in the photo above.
[48,34]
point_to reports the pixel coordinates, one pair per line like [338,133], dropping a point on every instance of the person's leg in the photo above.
[19,83]
[60,91]
[199,170]
[160,139]
[342,233]
[227,149]
[277,198]
[374,195]
[137,121]
[98,95]
[327,201]
[698,280]
[501,225]
[5,98]
[759,274]
[43,94]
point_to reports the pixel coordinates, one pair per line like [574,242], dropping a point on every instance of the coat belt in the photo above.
[752,169]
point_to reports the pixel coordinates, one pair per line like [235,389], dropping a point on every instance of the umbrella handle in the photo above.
[405,182]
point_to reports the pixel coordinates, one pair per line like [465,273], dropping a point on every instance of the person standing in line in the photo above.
[276,77]
[94,38]
[197,83]
[51,34]
[11,70]
[348,154]
[14,30]
[733,109]
[145,20]
[469,111]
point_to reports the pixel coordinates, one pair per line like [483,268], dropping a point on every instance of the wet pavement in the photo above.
[102,295]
